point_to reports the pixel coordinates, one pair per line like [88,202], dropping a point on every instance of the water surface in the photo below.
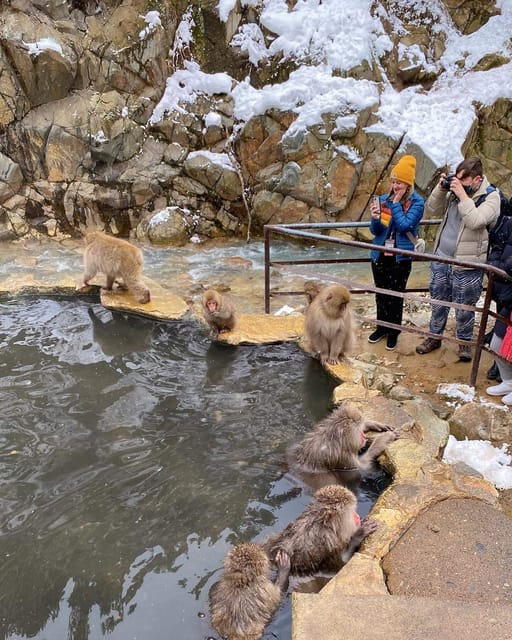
[134,454]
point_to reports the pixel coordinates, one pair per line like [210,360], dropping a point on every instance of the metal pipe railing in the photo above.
[300,230]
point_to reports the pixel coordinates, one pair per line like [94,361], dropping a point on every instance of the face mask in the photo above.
[470,189]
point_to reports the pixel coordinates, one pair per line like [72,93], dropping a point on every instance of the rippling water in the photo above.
[134,454]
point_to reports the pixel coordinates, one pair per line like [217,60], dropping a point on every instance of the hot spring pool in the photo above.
[134,454]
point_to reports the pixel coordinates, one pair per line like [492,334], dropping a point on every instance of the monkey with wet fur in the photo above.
[245,599]
[335,442]
[325,535]
[118,260]
[329,325]
[218,312]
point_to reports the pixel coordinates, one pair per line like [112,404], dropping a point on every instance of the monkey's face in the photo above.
[211,305]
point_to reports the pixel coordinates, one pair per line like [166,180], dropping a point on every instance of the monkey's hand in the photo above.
[368,526]
[373,425]
[388,437]
[329,360]
[283,563]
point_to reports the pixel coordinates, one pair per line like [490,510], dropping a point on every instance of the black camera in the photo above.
[447,181]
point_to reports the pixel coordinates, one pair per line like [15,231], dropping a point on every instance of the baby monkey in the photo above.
[245,598]
[218,312]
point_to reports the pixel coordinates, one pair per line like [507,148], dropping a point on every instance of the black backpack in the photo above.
[497,236]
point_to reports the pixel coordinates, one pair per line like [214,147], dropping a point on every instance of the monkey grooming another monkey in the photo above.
[118,260]
[218,312]
[335,442]
[329,325]
[325,535]
[245,599]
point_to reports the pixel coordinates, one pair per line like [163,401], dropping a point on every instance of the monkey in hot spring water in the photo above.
[329,324]
[245,598]
[118,260]
[324,536]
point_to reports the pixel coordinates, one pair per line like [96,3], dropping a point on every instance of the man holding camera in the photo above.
[462,235]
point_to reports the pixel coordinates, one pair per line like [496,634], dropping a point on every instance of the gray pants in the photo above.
[504,367]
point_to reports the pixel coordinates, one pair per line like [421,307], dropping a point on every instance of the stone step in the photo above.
[337,617]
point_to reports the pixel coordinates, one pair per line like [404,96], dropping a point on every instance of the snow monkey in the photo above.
[329,325]
[218,312]
[312,288]
[325,535]
[335,442]
[118,260]
[245,599]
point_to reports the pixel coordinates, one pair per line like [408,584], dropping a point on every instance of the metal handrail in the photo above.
[300,230]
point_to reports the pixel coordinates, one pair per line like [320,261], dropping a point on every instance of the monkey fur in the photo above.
[325,535]
[218,312]
[118,260]
[335,442]
[311,289]
[329,325]
[245,599]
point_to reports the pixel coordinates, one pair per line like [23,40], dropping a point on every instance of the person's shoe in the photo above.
[464,353]
[377,335]
[507,399]
[428,345]
[493,373]
[502,389]
[391,342]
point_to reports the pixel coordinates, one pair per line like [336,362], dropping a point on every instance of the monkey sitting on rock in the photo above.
[218,312]
[245,599]
[329,325]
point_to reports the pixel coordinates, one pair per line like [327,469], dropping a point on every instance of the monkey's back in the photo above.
[113,256]
[242,612]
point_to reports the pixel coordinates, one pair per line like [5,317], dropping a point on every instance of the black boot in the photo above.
[494,373]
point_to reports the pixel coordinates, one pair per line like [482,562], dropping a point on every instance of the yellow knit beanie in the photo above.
[405,170]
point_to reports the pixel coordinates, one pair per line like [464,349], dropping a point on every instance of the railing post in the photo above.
[266,235]
[481,331]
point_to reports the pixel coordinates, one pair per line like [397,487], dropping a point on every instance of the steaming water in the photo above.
[134,454]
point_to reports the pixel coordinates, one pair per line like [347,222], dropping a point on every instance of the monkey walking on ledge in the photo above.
[118,260]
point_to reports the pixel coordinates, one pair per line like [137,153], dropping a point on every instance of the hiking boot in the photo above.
[391,342]
[464,353]
[493,373]
[377,335]
[507,399]
[428,345]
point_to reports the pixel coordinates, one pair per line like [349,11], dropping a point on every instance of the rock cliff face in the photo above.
[84,143]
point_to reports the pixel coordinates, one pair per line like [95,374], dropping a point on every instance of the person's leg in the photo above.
[441,284]
[505,369]
[398,276]
[440,289]
[380,270]
[467,288]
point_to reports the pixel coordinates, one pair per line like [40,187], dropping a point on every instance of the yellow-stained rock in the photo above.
[362,576]
[256,329]
[164,305]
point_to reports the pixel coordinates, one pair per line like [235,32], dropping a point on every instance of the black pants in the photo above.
[388,273]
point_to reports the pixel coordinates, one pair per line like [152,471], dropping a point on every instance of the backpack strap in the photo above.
[481,198]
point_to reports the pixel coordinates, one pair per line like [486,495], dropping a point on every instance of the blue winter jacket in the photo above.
[401,222]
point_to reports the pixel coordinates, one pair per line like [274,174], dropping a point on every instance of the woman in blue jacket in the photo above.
[394,222]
